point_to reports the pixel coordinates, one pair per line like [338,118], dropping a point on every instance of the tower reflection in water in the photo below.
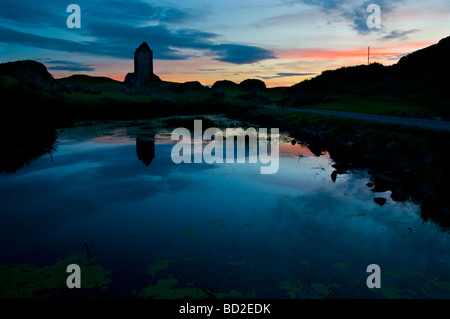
[145,149]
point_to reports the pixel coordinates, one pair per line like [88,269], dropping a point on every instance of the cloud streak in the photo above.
[64,65]
[397,34]
[241,54]
[284,75]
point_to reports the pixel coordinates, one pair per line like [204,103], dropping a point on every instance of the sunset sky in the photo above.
[281,42]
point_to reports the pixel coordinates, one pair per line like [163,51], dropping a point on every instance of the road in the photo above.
[422,123]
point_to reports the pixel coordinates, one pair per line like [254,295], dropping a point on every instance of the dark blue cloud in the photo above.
[11,36]
[64,65]
[283,75]
[115,28]
[32,13]
[210,70]
[294,74]
[324,4]
[241,54]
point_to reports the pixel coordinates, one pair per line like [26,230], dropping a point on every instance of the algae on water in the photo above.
[341,266]
[294,288]
[217,222]
[169,288]
[165,288]
[160,265]
[22,281]
[188,232]
[236,263]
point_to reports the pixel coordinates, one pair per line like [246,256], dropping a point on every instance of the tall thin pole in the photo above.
[368,55]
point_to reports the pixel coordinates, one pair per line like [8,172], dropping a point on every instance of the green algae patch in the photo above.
[294,288]
[233,294]
[244,227]
[236,263]
[188,232]
[392,293]
[22,281]
[304,264]
[340,266]
[217,222]
[169,288]
[160,265]
[166,288]
[320,290]
[414,284]
[358,215]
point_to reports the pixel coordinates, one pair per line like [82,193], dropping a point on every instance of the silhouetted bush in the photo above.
[253,84]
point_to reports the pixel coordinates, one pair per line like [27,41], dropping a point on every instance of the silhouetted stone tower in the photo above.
[143,60]
[143,68]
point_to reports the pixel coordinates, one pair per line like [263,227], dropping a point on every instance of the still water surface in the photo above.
[175,231]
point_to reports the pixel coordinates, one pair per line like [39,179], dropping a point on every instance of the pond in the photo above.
[111,199]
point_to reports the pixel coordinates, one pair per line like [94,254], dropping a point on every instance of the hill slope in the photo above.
[419,79]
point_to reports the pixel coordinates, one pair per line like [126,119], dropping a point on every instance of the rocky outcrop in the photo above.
[30,72]
[187,86]
[224,84]
[253,85]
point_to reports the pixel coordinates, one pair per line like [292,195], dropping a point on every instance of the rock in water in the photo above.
[334,176]
[399,195]
[380,200]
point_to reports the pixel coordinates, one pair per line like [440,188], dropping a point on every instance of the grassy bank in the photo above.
[381,106]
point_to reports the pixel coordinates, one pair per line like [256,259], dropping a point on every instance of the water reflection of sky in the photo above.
[296,225]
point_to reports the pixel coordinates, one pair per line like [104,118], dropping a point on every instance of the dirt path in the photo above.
[422,123]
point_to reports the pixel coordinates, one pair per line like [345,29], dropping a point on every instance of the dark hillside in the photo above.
[420,78]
